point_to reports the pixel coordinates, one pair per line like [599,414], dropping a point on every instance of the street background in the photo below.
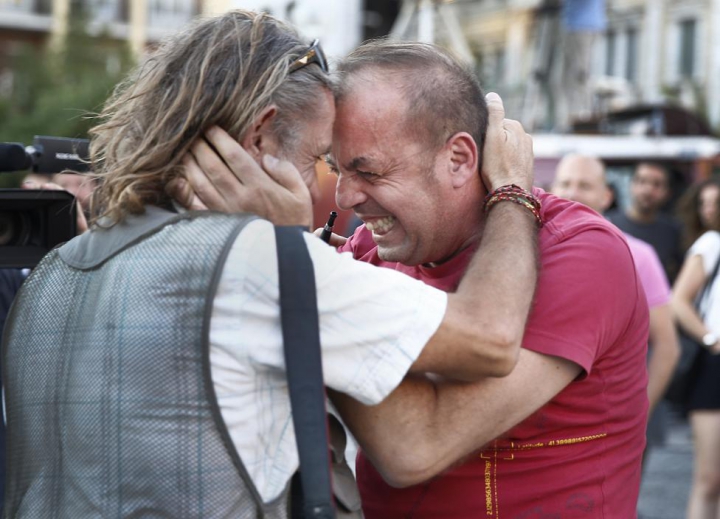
[667,478]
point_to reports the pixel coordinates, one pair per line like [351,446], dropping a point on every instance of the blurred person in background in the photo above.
[645,219]
[582,179]
[696,210]
[700,211]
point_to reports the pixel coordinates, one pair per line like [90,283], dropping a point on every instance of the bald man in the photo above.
[582,179]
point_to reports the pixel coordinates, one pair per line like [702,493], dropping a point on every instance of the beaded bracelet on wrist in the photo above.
[517,195]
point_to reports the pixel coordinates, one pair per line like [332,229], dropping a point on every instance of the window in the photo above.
[688,31]
[610,53]
[631,61]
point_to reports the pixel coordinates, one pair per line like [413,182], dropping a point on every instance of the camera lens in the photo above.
[14,229]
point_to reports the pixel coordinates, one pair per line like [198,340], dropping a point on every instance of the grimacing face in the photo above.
[388,177]
[649,188]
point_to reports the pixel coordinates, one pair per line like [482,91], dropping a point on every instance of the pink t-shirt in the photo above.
[579,455]
[652,274]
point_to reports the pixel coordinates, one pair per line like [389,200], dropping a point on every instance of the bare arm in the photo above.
[687,286]
[665,352]
[443,423]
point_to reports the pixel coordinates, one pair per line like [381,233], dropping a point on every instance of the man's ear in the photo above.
[259,140]
[463,158]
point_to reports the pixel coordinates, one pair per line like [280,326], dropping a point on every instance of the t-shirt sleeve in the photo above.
[374,322]
[707,246]
[652,275]
[587,291]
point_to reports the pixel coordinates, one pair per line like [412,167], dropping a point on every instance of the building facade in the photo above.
[142,23]
[653,51]
[138,23]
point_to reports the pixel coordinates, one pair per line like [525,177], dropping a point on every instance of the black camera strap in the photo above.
[301,339]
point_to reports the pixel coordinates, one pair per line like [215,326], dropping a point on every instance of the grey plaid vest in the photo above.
[111,410]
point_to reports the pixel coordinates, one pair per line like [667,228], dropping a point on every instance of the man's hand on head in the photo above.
[508,153]
[221,176]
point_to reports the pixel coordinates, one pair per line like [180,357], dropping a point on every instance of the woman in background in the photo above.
[700,211]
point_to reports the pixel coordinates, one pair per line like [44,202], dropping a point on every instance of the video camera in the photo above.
[32,222]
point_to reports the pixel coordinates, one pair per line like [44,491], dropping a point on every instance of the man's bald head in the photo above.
[581,178]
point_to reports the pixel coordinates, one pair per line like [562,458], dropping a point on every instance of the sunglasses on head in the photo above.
[314,54]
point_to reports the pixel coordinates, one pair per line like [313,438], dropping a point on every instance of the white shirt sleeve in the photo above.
[707,246]
[374,323]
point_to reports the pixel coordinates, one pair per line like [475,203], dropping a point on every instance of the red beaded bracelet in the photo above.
[516,194]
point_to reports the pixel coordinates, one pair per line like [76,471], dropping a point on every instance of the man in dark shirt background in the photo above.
[650,190]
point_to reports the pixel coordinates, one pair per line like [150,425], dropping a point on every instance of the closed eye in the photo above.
[331,165]
[367,175]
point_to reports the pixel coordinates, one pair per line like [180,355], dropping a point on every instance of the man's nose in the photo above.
[348,192]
